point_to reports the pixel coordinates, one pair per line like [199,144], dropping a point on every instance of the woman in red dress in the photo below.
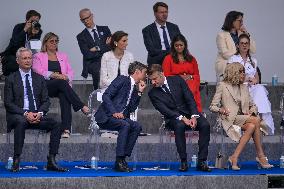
[181,62]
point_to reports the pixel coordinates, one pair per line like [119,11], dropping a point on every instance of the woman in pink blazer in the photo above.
[55,68]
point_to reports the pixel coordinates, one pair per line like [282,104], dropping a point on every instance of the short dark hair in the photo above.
[116,37]
[154,68]
[159,4]
[31,13]
[230,18]
[136,66]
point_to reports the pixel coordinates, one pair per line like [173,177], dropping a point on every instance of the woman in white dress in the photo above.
[116,61]
[258,92]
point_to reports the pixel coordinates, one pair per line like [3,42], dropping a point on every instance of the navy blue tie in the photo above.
[30,94]
[96,37]
[166,41]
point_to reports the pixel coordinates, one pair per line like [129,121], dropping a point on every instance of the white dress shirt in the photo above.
[160,30]
[131,90]
[26,100]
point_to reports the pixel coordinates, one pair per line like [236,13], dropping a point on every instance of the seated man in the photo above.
[120,99]
[26,102]
[172,98]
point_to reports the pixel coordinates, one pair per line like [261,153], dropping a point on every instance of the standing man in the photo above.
[93,42]
[120,99]
[158,35]
[26,102]
[22,33]
[172,98]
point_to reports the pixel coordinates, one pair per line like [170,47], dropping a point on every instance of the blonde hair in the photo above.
[232,73]
[45,39]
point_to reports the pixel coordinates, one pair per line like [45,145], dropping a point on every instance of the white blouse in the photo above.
[109,67]
[249,69]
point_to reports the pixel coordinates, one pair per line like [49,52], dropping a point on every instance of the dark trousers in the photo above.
[128,132]
[67,97]
[179,129]
[20,124]
[94,70]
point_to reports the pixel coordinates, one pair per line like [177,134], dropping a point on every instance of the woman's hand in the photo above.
[252,81]
[187,77]
[223,111]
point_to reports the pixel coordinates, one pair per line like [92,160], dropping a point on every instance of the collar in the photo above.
[23,74]
[90,29]
[132,81]
[166,82]
[159,26]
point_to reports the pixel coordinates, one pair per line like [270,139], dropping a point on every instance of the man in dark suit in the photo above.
[172,98]
[22,33]
[158,35]
[120,99]
[93,42]
[26,102]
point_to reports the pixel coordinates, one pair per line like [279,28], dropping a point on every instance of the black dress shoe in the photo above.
[120,166]
[202,166]
[126,165]
[183,166]
[16,164]
[52,165]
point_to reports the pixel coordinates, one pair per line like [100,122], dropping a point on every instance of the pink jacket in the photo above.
[40,65]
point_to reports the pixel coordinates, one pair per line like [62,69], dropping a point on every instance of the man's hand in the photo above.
[28,25]
[94,49]
[141,86]
[33,118]
[118,115]
[193,122]
[108,40]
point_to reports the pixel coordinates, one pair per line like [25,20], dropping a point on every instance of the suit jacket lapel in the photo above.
[19,83]
[172,89]
[243,96]
[156,34]
[89,37]
[231,91]
[170,30]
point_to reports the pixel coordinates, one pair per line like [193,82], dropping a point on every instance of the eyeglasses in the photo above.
[83,20]
[244,43]
[54,41]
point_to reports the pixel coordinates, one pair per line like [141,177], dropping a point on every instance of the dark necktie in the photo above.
[96,37]
[165,88]
[166,41]
[30,94]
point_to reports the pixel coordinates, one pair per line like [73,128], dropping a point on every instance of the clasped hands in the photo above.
[33,118]
[190,122]
[57,75]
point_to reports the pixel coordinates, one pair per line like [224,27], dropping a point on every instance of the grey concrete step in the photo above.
[148,148]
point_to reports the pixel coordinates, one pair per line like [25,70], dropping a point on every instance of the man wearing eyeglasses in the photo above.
[93,42]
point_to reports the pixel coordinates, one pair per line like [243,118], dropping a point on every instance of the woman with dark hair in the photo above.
[116,61]
[181,62]
[257,91]
[228,39]
[56,69]
[238,113]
